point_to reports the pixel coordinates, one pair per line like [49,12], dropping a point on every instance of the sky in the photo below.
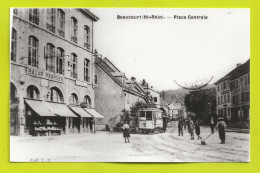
[163,50]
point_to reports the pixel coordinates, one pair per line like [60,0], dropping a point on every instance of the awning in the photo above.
[94,113]
[81,112]
[60,109]
[39,107]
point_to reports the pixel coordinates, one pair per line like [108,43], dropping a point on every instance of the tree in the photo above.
[199,102]
[131,116]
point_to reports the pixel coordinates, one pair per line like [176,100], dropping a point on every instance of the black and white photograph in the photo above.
[129,84]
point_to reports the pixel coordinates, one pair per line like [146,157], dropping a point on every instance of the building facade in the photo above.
[233,94]
[114,92]
[154,97]
[51,69]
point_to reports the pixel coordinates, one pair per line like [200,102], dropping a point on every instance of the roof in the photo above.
[152,90]
[89,14]
[117,76]
[175,106]
[238,71]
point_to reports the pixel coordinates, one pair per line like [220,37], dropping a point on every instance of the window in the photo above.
[32,92]
[96,79]
[13,45]
[74,29]
[218,100]
[13,93]
[73,98]
[155,99]
[148,115]
[34,15]
[218,88]
[87,101]
[50,57]
[86,70]
[61,23]
[86,37]
[33,51]
[142,114]
[224,85]
[56,95]
[221,99]
[73,73]
[60,61]
[50,25]
[225,98]
[15,11]
[234,99]
[228,97]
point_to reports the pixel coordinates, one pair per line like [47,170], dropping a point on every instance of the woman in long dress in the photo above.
[126,132]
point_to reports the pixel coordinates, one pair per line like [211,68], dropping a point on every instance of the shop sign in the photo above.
[224,92]
[43,74]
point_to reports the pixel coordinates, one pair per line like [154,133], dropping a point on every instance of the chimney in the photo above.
[238,64]
[133,78]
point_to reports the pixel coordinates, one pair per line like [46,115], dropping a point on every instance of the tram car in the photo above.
[150,120]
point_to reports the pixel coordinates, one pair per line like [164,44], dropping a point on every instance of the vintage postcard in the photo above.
[129,85]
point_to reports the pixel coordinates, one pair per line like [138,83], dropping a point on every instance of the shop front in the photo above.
[95,116]
[49,118]
[84,117]
[39,120]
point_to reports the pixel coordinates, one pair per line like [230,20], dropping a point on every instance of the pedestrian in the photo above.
[184,124]
[191,130]
[180,127]
[126,131]
[212,125]
[197,129]
[221,125]
[188,124]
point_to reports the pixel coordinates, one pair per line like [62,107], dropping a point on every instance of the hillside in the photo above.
[178,95]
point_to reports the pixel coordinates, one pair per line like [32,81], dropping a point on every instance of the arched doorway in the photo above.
[14,110]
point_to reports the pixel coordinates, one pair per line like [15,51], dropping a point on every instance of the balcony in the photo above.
[51,68]
[87,45]
[74,39]
[61,33]
[50,27]
[74,75]
[87,78]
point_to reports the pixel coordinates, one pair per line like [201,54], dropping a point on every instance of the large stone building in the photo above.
[52,70]
[114,92]
[233,92]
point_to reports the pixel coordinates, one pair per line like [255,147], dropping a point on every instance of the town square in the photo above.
[89,86]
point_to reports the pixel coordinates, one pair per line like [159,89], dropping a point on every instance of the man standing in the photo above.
[212,125]
[180,127]
[221,125]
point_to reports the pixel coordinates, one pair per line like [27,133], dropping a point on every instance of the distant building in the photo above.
[233,94]
[154,96]
[114,92]
[176,110]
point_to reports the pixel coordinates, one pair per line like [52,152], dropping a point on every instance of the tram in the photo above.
[150,120]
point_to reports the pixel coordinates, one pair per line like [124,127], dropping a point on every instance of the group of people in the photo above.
[191,125]
[194,126]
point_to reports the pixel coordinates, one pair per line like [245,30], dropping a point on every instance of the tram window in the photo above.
[142,113]
[149,115]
